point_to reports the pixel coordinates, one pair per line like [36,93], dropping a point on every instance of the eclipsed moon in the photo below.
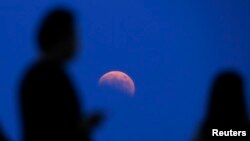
[119,81]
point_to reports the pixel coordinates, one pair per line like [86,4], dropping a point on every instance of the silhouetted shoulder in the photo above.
[41,70]
[44,76]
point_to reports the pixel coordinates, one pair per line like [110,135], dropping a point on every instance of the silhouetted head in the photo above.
[56,36]
[227,103]
[227,109]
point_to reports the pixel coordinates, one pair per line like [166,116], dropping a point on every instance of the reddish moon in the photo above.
[118,80]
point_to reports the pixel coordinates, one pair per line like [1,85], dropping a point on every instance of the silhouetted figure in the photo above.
[227,109]
[49,104]
[3,136]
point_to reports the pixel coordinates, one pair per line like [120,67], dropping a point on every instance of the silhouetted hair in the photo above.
[56,27]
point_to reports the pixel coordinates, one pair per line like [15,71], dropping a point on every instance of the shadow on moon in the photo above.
[117,82]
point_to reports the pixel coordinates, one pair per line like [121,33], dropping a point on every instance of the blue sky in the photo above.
[171,49]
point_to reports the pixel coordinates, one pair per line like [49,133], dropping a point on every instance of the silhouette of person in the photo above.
[227,109]
[2,136]
[49,105]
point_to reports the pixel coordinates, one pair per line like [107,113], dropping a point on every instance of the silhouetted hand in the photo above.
[90,123]
[95,120]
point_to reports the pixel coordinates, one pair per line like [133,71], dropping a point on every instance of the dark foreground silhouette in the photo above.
[227,109]
[49,104]
[3,136]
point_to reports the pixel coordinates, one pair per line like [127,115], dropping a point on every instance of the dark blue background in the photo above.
[172,49]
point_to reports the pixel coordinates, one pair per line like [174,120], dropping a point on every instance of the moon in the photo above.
[119,81]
